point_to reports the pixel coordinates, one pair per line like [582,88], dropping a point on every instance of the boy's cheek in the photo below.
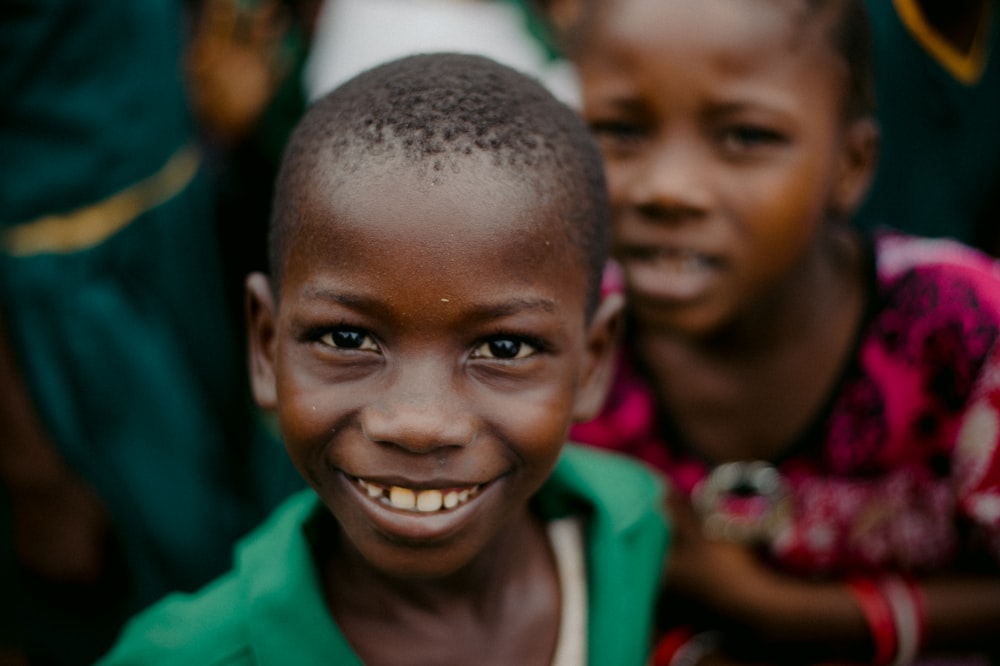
[306,412]
[542,422]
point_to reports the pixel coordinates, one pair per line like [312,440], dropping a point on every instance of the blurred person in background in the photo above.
[244,62]
[130,456]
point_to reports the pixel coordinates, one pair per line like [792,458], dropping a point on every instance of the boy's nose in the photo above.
[420,410]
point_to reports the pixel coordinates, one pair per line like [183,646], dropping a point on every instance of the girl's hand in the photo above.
[724,577]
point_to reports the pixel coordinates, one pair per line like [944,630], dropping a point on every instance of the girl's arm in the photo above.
[768,616]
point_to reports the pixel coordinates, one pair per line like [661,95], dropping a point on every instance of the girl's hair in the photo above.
[848,24]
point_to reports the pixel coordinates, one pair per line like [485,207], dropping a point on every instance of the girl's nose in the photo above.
[671,184]
[420,410]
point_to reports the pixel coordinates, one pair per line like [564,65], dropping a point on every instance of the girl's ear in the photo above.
[603,335]
[261,338]
[857,170]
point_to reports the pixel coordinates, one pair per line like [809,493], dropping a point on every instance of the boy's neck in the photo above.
[510,593]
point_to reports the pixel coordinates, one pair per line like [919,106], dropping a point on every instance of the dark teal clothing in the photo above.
[269,610]
[939,166]
[132,358]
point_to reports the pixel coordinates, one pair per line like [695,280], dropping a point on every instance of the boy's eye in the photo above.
[349,338]
[742,138]
[504,348]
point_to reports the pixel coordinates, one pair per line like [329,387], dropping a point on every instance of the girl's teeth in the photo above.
[681,261]
[424,501]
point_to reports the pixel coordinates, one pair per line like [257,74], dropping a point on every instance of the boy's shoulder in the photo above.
[183,629]
[623,490]
[626,537]
[270,601]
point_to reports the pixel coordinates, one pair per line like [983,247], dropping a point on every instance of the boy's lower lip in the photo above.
[417,526]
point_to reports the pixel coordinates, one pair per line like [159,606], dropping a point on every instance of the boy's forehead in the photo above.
[444,202]
[399,232]
[432,195]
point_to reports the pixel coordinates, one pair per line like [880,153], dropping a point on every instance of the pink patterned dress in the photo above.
[901,471]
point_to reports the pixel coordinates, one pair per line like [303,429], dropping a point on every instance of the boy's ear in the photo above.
[598,369]
[261,337]
[859,159]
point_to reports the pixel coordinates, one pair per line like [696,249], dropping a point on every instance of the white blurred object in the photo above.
[355,35]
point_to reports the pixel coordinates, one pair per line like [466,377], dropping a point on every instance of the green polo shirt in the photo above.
[269,609]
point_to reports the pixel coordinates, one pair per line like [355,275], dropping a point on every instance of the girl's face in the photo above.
[426,354]
[726,148]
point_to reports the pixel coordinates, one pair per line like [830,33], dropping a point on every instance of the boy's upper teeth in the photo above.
[418,501]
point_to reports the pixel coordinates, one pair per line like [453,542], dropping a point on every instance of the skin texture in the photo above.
[432,334]
[733,170]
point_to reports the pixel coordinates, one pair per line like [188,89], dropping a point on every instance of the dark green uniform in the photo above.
[111,289]
[939,170]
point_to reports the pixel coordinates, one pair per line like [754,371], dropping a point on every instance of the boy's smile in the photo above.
[429,500]
[420,517]
[426,357]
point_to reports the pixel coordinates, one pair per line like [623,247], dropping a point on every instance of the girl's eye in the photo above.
[747,137]
[505,349]
[616,134]
[614,128]
[349,338]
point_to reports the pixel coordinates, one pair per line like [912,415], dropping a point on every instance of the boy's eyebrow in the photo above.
[484,310]
[514,306]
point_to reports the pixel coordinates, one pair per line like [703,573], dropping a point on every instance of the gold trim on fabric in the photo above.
[966,67]
[89,226]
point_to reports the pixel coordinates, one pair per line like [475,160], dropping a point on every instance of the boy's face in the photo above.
[428,350]
[725,145]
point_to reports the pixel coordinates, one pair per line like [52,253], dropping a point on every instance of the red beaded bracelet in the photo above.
[670,644]
[906,602]
[879,617]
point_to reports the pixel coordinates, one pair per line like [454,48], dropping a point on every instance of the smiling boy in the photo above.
[432,327]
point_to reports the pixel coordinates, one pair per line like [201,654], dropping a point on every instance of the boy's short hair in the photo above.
[440,113]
